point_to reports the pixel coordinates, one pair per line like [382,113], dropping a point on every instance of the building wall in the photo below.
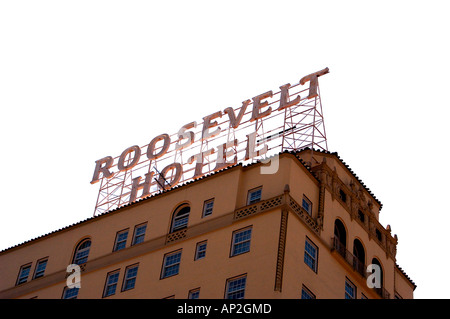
[261,264]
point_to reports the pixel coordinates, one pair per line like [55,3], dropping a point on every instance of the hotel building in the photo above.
[310,230]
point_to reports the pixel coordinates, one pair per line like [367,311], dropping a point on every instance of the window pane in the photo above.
[310,257]
[23,274]
[194,294]
[130,278]
[171,264]
[350,290]
[241,242]
[40,268]
[236,288]
[139,234]
[201,251]
[121,240]
[208,208]
[70,293]
[111,284]
[82,253]
[254,196]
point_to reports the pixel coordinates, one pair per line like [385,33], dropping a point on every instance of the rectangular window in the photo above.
[23,274]
[129,279]
[171,264]
[310,254]
[139,234]
[235,288]
[208,207]
[241,241]
[200,251]
[40,268]
[70,293]
[111,283]
[254,195]
[194,293]
[350,289]
[307,294]
[307,205]
[121,240]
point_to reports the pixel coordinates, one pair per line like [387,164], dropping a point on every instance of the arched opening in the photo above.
[340,237]
[82,252]
[359,259]
[180,218]
[375,261]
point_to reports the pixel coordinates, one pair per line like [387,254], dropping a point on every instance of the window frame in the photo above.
[308,201]
[306,291]
[234,279]
[205,208]
[66,289]
[252,191]
[175,218]
[19,275]
[38,263]
[77,251]
[117,242]
[164,265]
[349,283]
[234,243]
[136,229]
[316,257]
[194,291]
[197,249]
[108,275]
[126,279]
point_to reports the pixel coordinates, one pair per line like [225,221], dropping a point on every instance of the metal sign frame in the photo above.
[270,123]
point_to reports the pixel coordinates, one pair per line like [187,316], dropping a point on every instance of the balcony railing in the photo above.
[356,264]
[351,259]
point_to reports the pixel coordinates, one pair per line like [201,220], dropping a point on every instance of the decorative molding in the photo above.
[281,250]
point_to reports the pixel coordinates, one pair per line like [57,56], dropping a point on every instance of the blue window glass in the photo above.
[171,265]
[236,288]
[310,255]
[241,241]
[130,278]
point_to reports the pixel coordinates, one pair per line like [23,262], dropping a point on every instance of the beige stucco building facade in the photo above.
[306,231]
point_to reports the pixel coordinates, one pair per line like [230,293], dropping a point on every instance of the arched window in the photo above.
[375,261]
[180,218]
[359,259]
[340,237]
[82,252]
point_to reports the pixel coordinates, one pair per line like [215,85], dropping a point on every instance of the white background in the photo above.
[80,80]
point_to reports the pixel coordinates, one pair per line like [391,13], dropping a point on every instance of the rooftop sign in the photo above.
[268,123]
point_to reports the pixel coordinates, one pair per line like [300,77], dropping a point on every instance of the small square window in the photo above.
[129,280]
[200,251]
[40,268]
[70,293]
[235,288]
[139,234]
[23,274]
[208,207]
[171,264]
[111,283]
[241,241]
[254,195]
[121,240]
[194,294]
[310,257]
[307,205]
[350,289]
